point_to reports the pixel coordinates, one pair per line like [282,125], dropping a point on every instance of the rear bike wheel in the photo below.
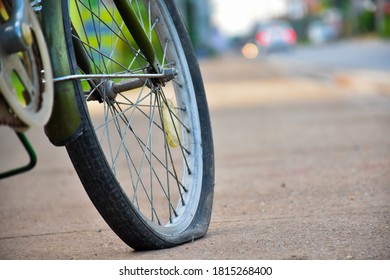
[145,156]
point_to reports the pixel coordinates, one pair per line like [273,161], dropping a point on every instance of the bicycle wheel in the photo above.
[145,156]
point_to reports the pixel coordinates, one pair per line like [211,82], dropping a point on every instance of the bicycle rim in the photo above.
[150,135]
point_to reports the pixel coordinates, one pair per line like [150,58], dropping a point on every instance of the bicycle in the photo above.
[118,84]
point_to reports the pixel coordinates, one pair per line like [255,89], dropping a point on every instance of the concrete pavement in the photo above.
[303,172]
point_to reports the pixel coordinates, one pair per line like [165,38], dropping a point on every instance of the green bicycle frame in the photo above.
[65,122]
[134,26]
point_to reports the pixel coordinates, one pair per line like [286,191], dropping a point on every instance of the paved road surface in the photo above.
[367,55]
[303,172]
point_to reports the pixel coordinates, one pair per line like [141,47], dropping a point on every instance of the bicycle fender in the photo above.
[65,122]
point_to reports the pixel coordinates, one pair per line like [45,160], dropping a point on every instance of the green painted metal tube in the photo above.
[65,120]
[31,153]
[135,28]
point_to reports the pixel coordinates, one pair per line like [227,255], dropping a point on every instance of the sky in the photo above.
[236,17]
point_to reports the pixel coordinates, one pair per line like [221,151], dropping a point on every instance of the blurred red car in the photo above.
[275,35]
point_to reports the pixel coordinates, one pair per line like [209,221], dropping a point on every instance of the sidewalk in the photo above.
[302,172]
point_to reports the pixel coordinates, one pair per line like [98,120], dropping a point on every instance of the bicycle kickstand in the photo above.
[31,153]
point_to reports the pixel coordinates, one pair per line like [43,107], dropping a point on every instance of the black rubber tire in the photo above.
[100,183]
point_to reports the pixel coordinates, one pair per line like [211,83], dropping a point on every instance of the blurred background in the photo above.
[216,25]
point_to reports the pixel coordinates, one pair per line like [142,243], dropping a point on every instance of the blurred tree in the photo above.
[196,14]
[383,17]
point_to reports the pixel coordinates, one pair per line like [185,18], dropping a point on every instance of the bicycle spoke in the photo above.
[139,171]
[156,175]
